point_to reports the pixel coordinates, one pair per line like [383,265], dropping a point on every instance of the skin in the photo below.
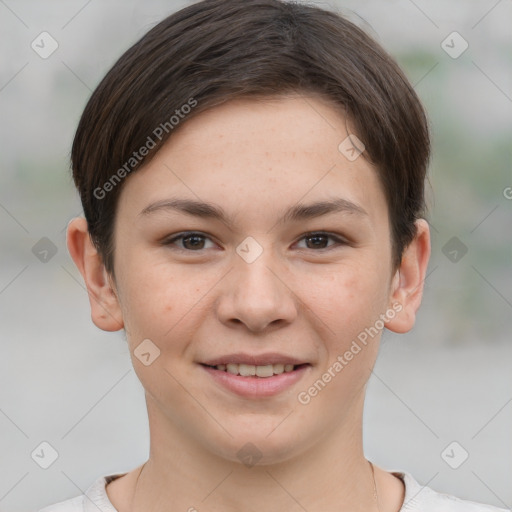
[254,158]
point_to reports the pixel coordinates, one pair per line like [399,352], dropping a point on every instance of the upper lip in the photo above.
[254,359]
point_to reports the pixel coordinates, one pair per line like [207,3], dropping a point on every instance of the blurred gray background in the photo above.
[65,382]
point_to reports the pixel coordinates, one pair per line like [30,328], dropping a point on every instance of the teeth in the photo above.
[264,371]
[232,368]
[279,368]
[248,370]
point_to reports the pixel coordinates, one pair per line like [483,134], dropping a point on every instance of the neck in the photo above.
[331,474]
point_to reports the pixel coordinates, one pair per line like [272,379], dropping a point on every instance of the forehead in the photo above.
[258,154]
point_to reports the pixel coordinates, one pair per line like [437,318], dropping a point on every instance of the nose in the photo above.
[257,295]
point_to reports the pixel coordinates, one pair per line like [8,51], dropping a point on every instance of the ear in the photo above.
[407,285]
[105,307]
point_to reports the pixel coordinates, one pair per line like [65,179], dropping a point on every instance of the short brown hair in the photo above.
[217,50]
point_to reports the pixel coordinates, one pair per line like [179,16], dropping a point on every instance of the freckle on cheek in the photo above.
[351,285]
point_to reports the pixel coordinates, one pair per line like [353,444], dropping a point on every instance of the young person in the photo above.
[252,177]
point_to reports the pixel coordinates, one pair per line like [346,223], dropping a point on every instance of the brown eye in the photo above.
[195,242]
[188,241]
[320,241]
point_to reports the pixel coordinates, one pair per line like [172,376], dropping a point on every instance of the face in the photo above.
[251,241]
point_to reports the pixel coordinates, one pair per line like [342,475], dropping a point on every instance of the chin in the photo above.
[259,445]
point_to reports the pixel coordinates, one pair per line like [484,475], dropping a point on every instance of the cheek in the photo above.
[344,304]
[149,298]
[161,300]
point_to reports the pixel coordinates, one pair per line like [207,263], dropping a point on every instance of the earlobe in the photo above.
[105,307]
[407,286]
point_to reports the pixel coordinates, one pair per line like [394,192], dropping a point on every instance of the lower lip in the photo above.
[256,387]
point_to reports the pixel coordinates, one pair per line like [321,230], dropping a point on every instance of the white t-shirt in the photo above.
[417,499]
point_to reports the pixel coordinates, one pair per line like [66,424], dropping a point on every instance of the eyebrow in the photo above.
[299,212]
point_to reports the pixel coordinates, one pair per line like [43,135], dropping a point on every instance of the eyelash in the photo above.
[339,241]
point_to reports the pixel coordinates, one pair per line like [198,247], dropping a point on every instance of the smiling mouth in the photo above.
[260,371]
